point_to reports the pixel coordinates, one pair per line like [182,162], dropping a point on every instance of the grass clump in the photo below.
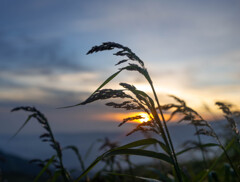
[133,99]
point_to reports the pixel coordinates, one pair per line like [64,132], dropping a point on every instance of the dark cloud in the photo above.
[30,55]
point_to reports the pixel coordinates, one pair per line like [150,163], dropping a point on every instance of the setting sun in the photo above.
[145,118]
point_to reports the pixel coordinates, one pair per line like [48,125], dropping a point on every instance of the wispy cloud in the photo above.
[34,55]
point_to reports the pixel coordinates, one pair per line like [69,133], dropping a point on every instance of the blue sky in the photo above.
[191,49]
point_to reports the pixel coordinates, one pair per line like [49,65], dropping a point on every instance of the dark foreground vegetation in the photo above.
[223,166]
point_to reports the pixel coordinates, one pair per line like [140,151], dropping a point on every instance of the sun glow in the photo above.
[145,118]
[118,117]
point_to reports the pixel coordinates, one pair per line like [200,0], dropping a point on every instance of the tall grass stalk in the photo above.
[135,99]
[46,137]
[142,99]
[201,148]
[176,165]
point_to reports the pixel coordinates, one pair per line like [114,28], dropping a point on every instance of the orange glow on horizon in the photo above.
[118,117]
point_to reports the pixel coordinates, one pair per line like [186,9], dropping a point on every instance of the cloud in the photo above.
[33,56]
[41,88]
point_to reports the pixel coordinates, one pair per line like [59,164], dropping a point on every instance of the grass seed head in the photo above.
[130,119]
[125,51]
[128,105]
[106,94]
[224,107]
[203,131]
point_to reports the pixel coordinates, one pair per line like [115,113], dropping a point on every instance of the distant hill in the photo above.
[14,168]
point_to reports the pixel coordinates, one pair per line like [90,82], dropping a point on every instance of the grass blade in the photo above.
[125,150]
[203,146]
[204,175]
[138,152]
[102,85]
[27,120]
[138,143]
[76,151]
[108,80]
[145,153]
[44,168]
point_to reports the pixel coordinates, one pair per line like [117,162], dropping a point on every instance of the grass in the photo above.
[220,168]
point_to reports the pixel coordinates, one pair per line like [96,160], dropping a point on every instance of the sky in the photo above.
[190,48]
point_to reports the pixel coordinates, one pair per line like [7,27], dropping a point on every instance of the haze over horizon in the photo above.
[190,48]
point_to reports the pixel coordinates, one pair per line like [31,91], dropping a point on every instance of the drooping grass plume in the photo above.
[140,98]
[182,108]
[45,137]
[76,151]
[230,117]
[128,105]
[190,116]
[130,98]
[125,51]
[106,94]
[130,119]
[202,126]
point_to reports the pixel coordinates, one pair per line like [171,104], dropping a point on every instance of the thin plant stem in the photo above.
[66,176]
[225,151]
[173,154]
[169,138]
[202,151]
[229,159]
[231,163]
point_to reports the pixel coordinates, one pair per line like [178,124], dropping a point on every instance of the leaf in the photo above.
[164,147]
[145,153]
[44,168]
[203,146]
[89,168]
[139,152]
[108,80]
[27,120]
[102,85]
[132,176]
[138,143]
[125,150]
[204,175]
[76,151]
